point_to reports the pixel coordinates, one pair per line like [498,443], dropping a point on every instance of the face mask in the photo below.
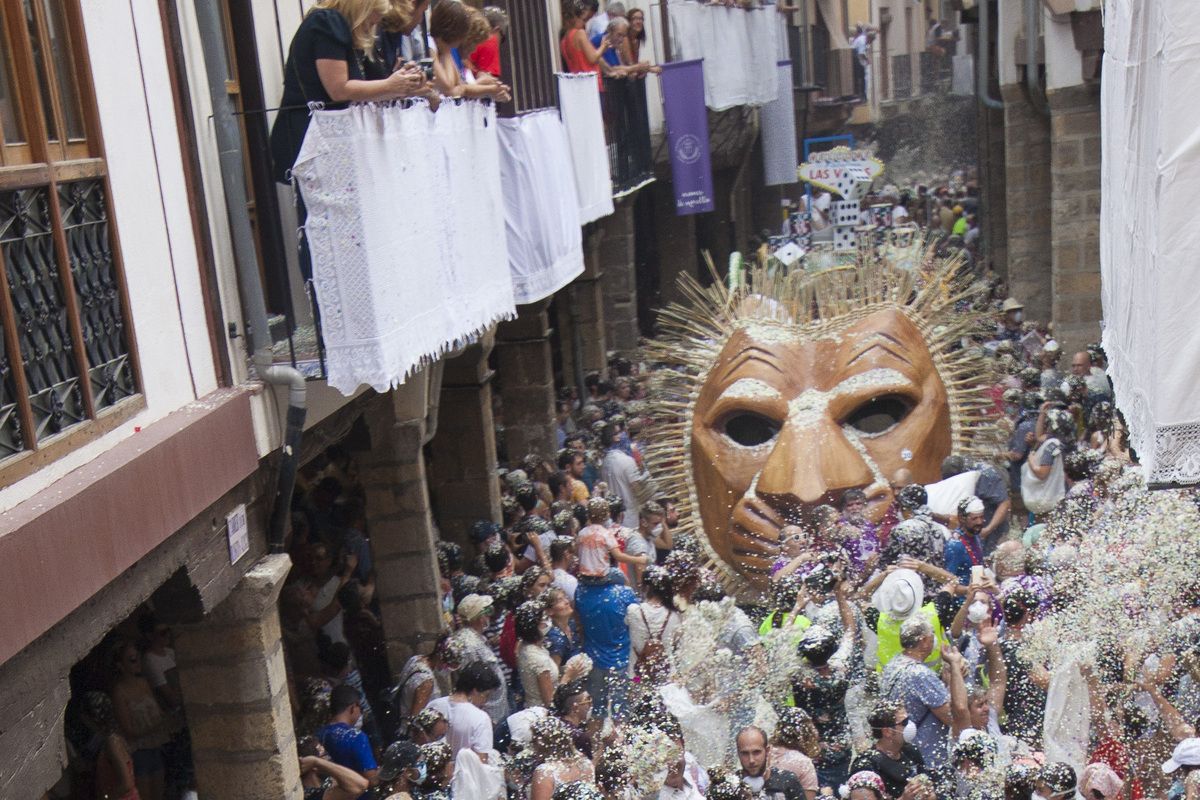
[910,732]
[358,723]
[977,612]
[422,773]
[544,628]
[1018,316]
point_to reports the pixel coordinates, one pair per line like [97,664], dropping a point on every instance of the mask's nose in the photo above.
[811,465]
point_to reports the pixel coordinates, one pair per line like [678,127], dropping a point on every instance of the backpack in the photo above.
[653,665]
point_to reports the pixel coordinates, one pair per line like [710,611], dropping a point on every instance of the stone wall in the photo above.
[1027,203]
[525,371]
[1075,214]
[618,262]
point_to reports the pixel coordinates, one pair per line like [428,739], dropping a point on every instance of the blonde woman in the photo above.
[450,26]
[326,64]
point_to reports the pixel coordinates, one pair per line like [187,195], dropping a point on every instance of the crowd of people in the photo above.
[589,653]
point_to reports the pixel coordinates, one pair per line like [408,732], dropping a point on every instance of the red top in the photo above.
[486,57]
[574,57]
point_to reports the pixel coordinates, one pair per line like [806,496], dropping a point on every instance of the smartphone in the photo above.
[976,574]
[426,65]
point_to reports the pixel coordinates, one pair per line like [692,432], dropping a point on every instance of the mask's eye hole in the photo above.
[879,414]
[750,429]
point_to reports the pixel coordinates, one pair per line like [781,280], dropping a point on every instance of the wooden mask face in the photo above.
[787,419]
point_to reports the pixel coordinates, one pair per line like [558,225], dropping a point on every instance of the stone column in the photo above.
[580,312]
[1027,207]
[462,464]
[676,244]
[235,692]
[1075,214]
[525,370]
[619,287]
[399,519]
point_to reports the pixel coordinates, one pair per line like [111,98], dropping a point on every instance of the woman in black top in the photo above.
[326,64]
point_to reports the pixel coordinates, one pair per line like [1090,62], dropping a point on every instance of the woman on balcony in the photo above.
[454,24]
[577,51]
[631,45]
[326,64]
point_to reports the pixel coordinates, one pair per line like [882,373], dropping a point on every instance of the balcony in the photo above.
[627,132]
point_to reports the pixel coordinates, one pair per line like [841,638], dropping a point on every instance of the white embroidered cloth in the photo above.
[406,228]
[541,209]
[1150,173]
[579,105]
[739,49]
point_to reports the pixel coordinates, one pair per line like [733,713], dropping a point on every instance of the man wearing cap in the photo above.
[1010,324]
[965,550]
[991,489]
[474,611]
[401,770]
[1184,761]
[927,699]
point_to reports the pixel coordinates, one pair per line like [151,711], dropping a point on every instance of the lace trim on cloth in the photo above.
[1169,454]
[406,229]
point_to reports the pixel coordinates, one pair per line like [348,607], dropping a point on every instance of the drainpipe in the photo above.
[1037,97]
[983,64]
[254,306]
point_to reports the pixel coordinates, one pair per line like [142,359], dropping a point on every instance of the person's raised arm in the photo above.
[952,673]
[348,784]
[335,78]
[997,673]
[591,53]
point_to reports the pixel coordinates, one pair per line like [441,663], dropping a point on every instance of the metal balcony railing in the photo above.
[627,131]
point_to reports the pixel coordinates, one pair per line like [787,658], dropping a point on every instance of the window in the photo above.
[67,367]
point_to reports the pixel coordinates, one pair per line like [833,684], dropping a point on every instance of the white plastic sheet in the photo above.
[738,46]
[405,225]
[1149,239]
[579,104]
[541,209]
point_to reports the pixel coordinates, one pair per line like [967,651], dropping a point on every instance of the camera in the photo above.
[426,65]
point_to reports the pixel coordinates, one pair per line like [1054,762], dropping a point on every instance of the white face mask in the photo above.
[1018,316]
[544,627]
[910,732]
[977,612]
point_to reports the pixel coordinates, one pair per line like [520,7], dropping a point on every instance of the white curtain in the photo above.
[541,207]
[739,49]
[1149,241]
[405,225]
[579,104]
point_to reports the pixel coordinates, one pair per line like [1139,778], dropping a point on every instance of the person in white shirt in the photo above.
[470,728]
[621,473]
[640,541]
[562,560]
[598,24]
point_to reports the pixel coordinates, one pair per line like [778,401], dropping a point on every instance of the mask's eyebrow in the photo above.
[750,389]
[882,341]
[878,378]
[752,353]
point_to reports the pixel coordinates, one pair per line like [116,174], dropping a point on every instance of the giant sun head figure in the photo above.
[778,398]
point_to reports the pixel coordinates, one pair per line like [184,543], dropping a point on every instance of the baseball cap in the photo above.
[397,758]
[474,606]
[1186,754]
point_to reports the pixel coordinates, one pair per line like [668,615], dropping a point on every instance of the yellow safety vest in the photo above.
[887,632]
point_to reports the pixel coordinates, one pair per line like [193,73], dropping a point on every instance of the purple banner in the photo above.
[687,136]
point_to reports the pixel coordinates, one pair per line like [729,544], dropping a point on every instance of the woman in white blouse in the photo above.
[540,676]
[653,628]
